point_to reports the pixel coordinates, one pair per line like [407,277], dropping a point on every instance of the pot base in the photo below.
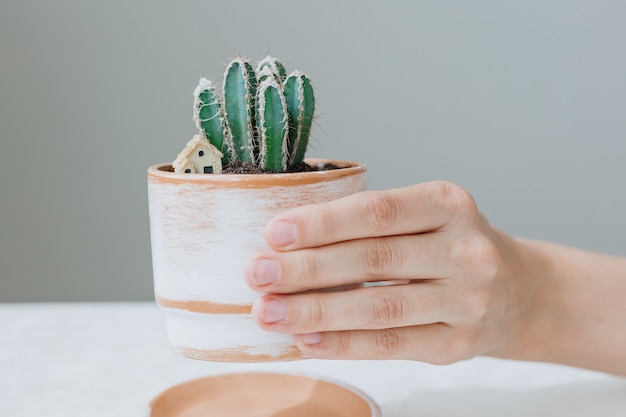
[226,338]
[239,354]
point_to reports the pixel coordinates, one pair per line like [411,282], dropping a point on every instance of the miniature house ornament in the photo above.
[199,157]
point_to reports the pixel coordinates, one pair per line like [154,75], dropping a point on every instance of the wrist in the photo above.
[572,310]
[539,312]
[527,276]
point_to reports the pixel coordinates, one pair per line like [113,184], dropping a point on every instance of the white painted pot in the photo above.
[204,229]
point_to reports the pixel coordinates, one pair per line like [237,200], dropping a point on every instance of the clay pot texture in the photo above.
[204,230]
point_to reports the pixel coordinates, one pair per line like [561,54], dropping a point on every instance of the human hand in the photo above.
[458,294]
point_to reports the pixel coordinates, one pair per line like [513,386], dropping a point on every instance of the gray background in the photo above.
[524,104]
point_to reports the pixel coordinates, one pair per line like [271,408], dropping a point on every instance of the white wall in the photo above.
[524,104]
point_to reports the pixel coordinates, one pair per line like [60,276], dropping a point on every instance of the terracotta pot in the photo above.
[204,229]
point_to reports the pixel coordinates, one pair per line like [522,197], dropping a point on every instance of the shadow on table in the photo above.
[594,398]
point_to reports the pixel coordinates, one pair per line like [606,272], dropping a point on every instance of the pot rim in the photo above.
[162,173]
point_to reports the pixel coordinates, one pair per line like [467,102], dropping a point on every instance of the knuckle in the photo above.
[490,257]
[387,342]
[387,308]
[326,223]
[459,199]
[477,306]
[457,348]
[479,258]
[308,265]
[382,211]
[343,342]
[464,346]
[315,313]
[478,254]
[323,223]
[379,256]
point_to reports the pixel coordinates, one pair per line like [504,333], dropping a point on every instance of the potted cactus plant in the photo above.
[209,207]
[262,123]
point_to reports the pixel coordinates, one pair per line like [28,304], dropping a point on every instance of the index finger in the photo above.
[419,208]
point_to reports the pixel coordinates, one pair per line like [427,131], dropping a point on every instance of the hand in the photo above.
[458,292]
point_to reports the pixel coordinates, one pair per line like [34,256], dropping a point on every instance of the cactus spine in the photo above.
[209,117]
[265,121]
[239,104]
[301,108]
[272,126]
[275,66]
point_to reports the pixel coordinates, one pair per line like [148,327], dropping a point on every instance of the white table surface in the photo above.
[110,359]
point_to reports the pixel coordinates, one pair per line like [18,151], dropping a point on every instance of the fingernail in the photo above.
[264,271]
[281,233]
[312,338]
[273,311]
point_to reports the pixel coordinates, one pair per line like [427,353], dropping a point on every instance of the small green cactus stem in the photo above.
[301,108]
[208,116]
[265,73]
[277,68]
[272,126]
[239,106]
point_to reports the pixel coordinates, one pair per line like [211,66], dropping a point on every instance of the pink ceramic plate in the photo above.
[262,395]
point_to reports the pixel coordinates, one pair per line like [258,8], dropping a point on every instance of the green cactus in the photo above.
[272,126]
[209,117]
[265,121]
[301,108]
[275,66]
[265,73]
[239,104]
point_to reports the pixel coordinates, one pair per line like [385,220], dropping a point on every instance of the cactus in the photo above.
[239,104]
[265,73]
[209,117]
[275,66]
[272,126]
[265,121]
[301,108]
